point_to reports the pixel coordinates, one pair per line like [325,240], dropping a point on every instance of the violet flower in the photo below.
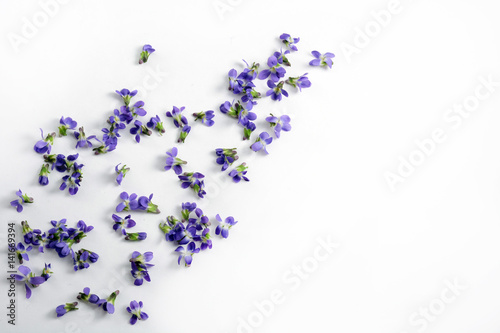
[133,202]
[46,272]
[299,81]
[322,60]
[223,227]
[28,278]
[62,309]
[82,140]
[136,236]
[156,123]
[205,117]
[250,72]
[45,145]
[194,181]
[239,173]
[122,223]
[88,297]
[180,121]
[22,252]
[108,304]
[146,52]
[42,176]
[139,129]
[136,310]
[140,265]
[235,84]
[173,162]
[262,142]
[187,253]
[66,124]
[279,124]
[126,95]
[276,92]
[248,130]
[121,172]
[18,203]
[289,41]
[72,182]
[275,71]
[282,59]
[226,157]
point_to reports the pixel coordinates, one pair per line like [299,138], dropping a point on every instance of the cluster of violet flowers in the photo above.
[59,238]
[192,232]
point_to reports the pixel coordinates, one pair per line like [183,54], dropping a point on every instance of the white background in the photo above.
[324,179]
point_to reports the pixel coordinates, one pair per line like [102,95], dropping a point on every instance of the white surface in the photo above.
[323,179]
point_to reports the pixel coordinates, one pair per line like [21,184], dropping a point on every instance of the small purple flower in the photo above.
[180,121]
[146,52]
[187,208]
[136,310]
[42,176]
[322,60]
[235,84]
[72,182]
[195,181]
[187,253]
[239,173]
[88,297]
[137,109]
[46,272]
[121,172]
[61,310]
[248,130]
[142,260]
[245,114]
[226,157]
[122,223]
[282,59]
[45,145]
[250,72]
[262,142]
[82,140]
[28,278]
[173,162]
[223,227]
[299,82]
[126,95]
[66,124]
[230,108]
[289,41]
[157,124]
[108,304]
[275,71]
[206,117]
[276,91]
[18,203]
[83,258]
[22,252]
[139,129]
[136,236]
[129,202]
[279,124]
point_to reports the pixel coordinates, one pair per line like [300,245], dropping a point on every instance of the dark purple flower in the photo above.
[245,114]
[157,124]
[248,130]
[226,157]
[121,172]
[83,258]
[18,203]
[129,202]
[261,142]
[279,124]
[289,41]
[122,223]
[223,227]
[136,310]
[275,71]
[322,60]
[173,162]
[61,310]
[250,72]
[28,278]
[66,124]
[45,145]
[276,91]
[180,122]
[239,173]
[281,56]
[139,129]
[187,253]
[146,52]
[187,208]
[126,95]
[72,182]
[46,272]
[206,117]
[194,181]
[83,141]
[137,109]
[235,84]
